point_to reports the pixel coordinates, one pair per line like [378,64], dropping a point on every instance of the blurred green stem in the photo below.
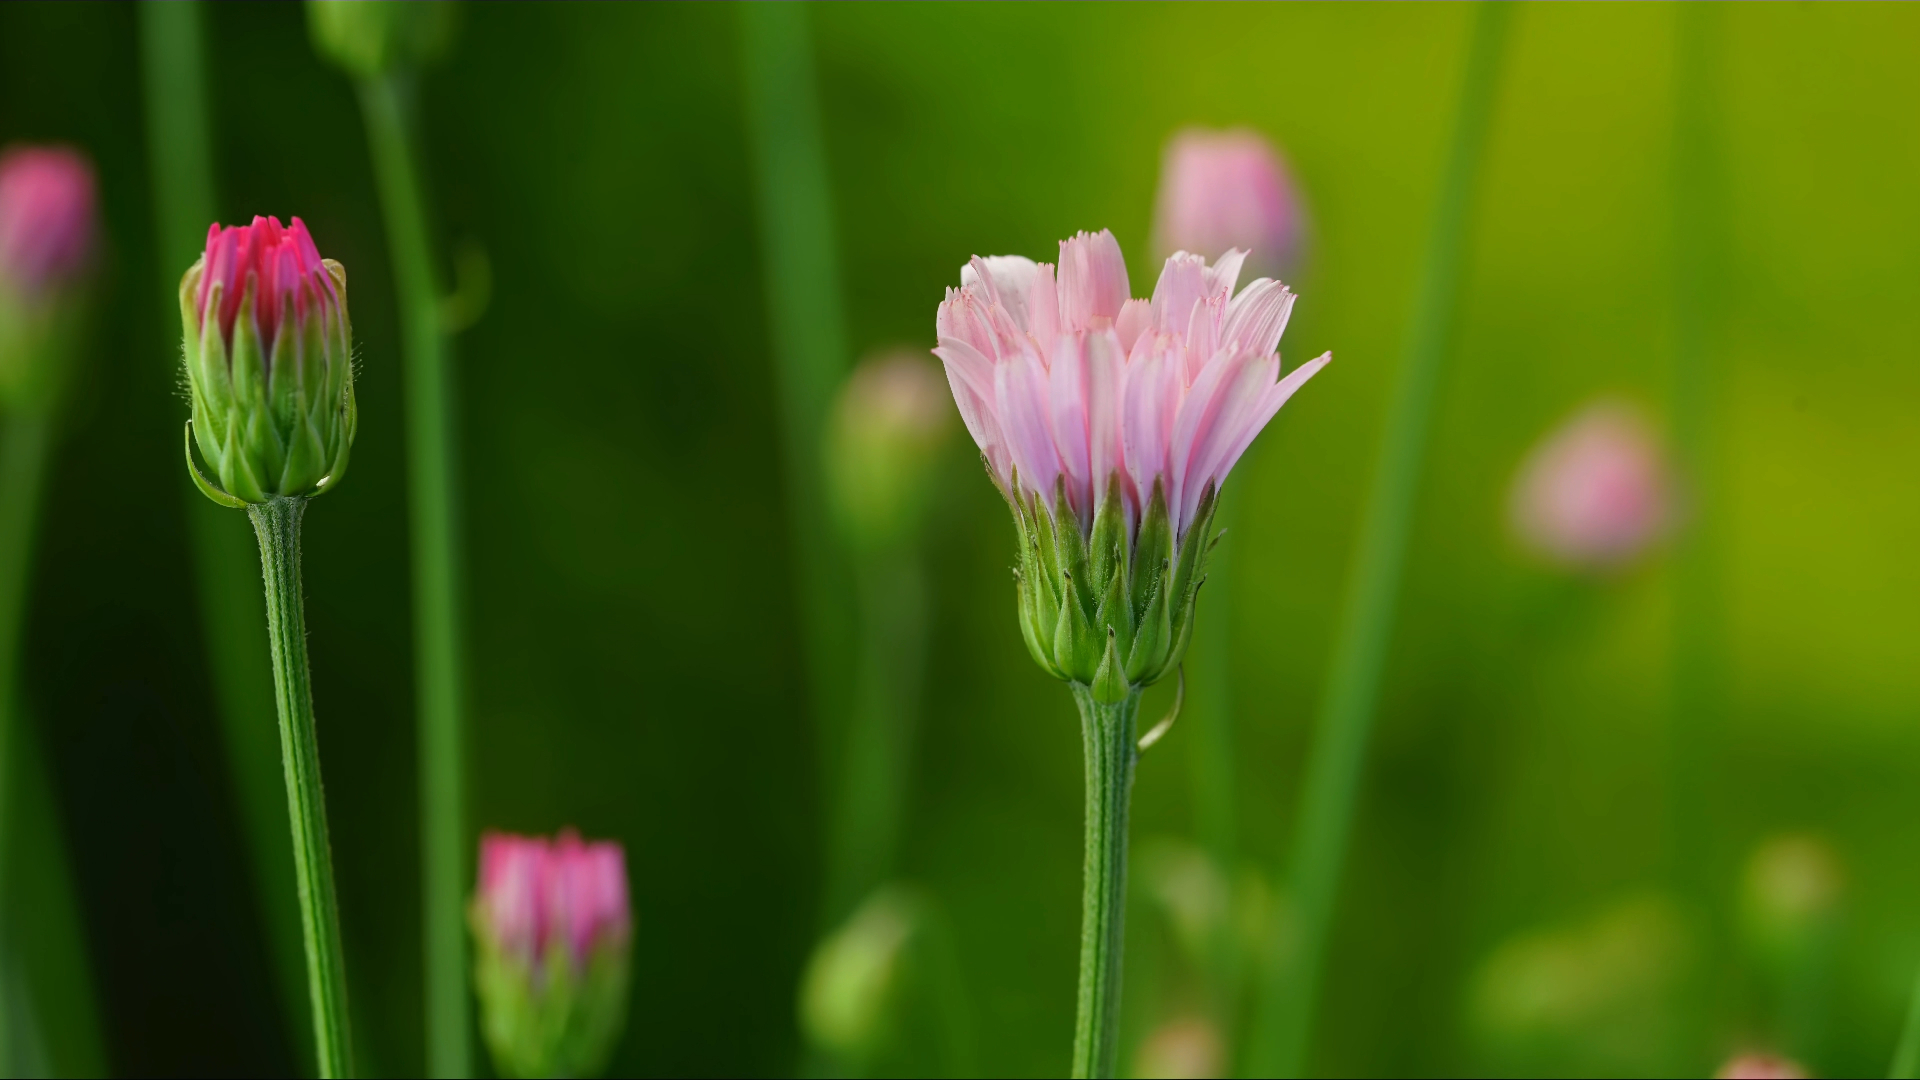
[23,454]
[1366,629]
[431,475]
[805,332]
[1698,193]
[1107,737]
[181,152]
[1906,1056]
[871,793]
[276,523]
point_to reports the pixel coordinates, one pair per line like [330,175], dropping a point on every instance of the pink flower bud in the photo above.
[537,893]
[46,217]
[552,927]
[1595,492]
[284,267]
[1760,1066]
[1221,190]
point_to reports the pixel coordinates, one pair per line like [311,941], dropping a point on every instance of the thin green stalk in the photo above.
[1366,629]
[1906,1057]
[23,453]
[805,331]
[871,794]
[276,524]
[1698,193]
[181,162]
[1211,714]
[432,477]
[1111,746]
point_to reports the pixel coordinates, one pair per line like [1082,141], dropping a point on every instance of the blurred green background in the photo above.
[634,650]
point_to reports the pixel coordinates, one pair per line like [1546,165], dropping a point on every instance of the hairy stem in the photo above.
[1108,739]
[276,524]
[431,498]
[1332,779]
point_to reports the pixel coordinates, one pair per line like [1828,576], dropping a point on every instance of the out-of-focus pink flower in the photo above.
[1760,1066]
[1184,1049]
[1595,492]
[46,217]
[280,266]
[536,893]
[1221,190]
[1071,382]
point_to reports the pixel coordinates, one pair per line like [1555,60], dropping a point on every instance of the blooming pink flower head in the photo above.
[1595,492]
[274,268]
[46,217]
[1068,384]
[1221,190]
[537,893]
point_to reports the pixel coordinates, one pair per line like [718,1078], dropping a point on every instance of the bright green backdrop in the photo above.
[634,657]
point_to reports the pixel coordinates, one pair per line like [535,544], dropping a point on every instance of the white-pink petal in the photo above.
[1093,280]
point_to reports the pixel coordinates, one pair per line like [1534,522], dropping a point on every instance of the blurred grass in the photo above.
[634,640]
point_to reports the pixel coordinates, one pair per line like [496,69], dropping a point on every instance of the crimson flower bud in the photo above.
[269,364]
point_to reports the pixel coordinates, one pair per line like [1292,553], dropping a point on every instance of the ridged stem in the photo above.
[432,475]
[807,341]
[1108,740]
[276,524]
[180,145]
[1332,781]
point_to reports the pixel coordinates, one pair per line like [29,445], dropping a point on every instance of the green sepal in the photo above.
[1193,546]
[1152,551]
[1149,653]
[1110,686]
[1107,549]
[1072,548]
[1076,648]
[1116,614]
[200,480]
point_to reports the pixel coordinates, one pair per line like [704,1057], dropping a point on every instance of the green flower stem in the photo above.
[807,338]
[230,601]
[1110,743]
[1906,1056]
[1360,652]
[1699,192]
[431,475]
[871,793]
[23,453]
[276,524]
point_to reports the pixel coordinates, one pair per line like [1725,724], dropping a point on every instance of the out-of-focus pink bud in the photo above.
[46,217]
[1221,190]
[1184,1049]
[1760,1066]
[1595,492]
[537,893]
[552,925]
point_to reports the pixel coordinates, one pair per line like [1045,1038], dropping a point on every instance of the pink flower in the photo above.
[1760,1066]
[278,267]
[537,893]
[1221,190]
[46,216]
[1595,492]
[1067,385]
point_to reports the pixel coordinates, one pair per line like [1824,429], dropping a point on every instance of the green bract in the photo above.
[1109,610]
[269,418]
[549,1019]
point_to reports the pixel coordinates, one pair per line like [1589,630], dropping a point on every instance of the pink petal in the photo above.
[1270,401]
[1258,316]
[1225,271]
[1067,410]
[1136,318]
[1020,402]
[1106,388]
[1182,284]
[1006,279]
[1043,306]
[1093,279]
